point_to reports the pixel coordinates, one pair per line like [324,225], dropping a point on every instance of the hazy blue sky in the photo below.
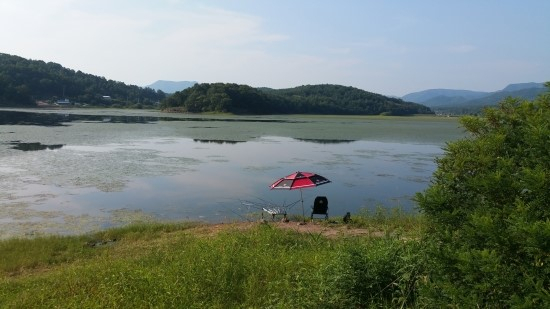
[387,47]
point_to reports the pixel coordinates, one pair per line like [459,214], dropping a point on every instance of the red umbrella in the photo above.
[300,180]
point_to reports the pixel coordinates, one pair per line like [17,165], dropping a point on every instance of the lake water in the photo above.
[74,171]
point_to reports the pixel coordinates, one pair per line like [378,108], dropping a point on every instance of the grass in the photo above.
[390,220]
[189,265]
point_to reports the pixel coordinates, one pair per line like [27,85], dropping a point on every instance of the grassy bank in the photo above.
[190,265]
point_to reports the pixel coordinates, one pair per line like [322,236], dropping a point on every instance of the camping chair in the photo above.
[278,210]
[274,211]
[320,207]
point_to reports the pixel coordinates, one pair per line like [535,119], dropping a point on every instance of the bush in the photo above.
[488,211]
[378,273]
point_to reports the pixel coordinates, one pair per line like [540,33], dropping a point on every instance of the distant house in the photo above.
[63,101]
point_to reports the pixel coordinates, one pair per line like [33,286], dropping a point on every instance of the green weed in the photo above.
[175,266]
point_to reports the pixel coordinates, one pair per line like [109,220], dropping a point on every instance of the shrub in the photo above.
[488,211]
[376,273]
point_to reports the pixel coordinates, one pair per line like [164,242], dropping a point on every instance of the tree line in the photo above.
[309,99]
[23,82]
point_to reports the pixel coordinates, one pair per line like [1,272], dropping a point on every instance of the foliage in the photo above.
[222,98]
[23,82]
[392,221]
[487,211]
[316,99]
[378,273]
[194,266]
[336,99]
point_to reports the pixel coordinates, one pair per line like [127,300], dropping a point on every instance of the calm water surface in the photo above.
[74,171]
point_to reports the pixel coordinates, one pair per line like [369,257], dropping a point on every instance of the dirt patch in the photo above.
[330,230]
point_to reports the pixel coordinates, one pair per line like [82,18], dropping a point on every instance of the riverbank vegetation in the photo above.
[241,265]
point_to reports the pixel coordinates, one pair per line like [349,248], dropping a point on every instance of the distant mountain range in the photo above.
[171,86]
[461,101]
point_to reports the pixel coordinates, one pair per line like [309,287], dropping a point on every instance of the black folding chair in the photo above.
[320,207]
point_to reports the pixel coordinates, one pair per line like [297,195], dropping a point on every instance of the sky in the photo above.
[391,47]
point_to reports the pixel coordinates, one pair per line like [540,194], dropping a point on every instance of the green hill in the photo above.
[23,82]
[310,99]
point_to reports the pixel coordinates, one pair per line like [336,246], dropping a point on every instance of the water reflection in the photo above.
[33,146]
[61,119]
[24,118]
[326,141]
[216,141]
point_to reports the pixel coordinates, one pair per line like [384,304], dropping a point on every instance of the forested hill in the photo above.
[24,82]
[310,99]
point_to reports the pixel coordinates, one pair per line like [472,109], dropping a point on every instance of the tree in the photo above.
[22,82]
[488,211]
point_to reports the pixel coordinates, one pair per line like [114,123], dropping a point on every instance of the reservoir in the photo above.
[78,170]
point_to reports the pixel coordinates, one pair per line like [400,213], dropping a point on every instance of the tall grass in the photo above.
[175,266]
[390,221]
